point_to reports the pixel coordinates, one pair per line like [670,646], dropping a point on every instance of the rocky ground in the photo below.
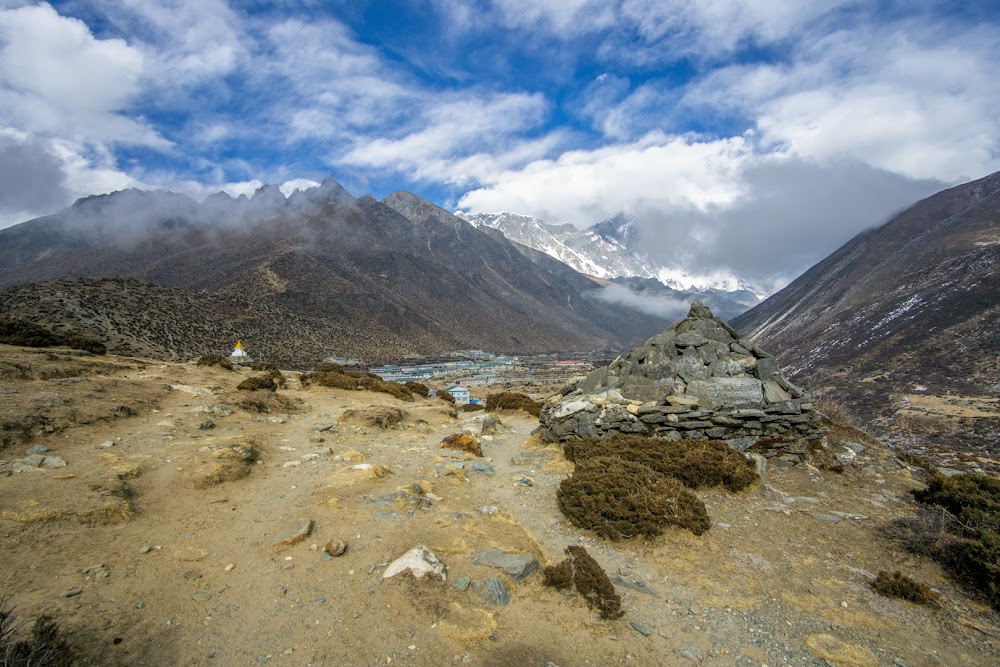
[158,543]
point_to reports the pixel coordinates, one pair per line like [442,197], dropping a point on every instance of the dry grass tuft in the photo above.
[579,570]
[620,499]
[110,513]
[898,585]
[462,442]
[232,463]
[35,516]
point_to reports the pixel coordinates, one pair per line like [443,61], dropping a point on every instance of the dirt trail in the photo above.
[781,578]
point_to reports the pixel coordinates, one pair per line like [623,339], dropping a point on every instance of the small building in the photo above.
[460,393]
[239,355]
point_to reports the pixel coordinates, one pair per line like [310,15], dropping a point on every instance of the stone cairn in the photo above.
[697,379]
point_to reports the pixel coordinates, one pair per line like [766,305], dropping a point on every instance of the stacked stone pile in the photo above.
[697,379]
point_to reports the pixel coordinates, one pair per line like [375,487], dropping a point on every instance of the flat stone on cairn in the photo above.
[697,379]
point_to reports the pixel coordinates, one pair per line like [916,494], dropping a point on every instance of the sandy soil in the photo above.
[781,578]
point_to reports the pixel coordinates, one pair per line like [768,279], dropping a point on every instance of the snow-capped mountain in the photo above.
[608,250]
[596,251]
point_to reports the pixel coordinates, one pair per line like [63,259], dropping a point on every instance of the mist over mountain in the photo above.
[404,276]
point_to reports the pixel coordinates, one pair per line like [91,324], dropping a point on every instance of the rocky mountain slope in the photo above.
[899,314]
[395,284]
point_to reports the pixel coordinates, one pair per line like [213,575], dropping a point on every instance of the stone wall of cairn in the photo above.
[697,379]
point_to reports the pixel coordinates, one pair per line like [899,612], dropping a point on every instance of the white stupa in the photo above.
[239,355]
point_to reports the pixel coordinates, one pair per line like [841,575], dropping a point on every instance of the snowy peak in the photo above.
[609,250]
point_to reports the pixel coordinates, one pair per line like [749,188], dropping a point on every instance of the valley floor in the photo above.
[146,555]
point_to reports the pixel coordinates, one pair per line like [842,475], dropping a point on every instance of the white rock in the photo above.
[419,561]
[567,409]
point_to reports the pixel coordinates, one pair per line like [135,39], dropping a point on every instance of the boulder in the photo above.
[696,379]
[418,561]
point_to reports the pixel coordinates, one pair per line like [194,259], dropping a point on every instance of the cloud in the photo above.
[659,306]
[657,173]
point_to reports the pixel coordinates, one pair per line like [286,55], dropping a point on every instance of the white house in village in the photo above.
[239,355]
[460,393]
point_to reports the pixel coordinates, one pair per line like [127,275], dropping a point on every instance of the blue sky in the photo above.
[756,136]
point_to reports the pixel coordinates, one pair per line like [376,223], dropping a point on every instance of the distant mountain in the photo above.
[402,276]
[726,305]
[610,249]
[901,312]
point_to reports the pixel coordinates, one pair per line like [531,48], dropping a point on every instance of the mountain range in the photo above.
[612,249]
[357,277]
[902,320]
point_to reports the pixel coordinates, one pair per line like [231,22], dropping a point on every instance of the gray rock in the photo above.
[634,584]
[462,583]
[207,424]
[221,410]
[766,367]
[492,591]
[107,444]
[335,547]
[727,392]
[145,549]
[691,339]
[518,566]
[35,460]
[641,628]
[481,467]
[773,393]
[53,462]
[692,653]
[37,449]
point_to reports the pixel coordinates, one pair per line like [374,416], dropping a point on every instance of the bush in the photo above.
[958,524]
[511,400]
[333,380]
[28,334]
[695,463]
[472,407]
[821,457]
[898,585]
[418,388]
[581,571]
[258,382]
[375,383]
[446,396]
[620,499]
[264,365]
[42,648]
[215,360]
[974,500]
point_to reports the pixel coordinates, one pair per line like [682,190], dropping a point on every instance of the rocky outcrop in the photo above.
[697,379]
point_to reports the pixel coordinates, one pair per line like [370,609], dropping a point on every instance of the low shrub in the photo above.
[695,463]
[43,647]
[446,396]
[377,415]
[28,334]
[472,407]
[264,365]
[333,380]
[512,400]
[215,360]
[958,524]
[579,570]
[821,457]
[620,499]
[898,585]
[375,383]
[258,382]
[418,388]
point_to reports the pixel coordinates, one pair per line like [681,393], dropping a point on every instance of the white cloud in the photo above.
[558,16]
[288,187]
[657,173]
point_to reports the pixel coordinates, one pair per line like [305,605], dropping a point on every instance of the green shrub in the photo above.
[974,500]
[695,463]
[620,499]
[898,585]
[29,334]
[512,400]
[958,524]
[258,382]
[215,360]
[579,570]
